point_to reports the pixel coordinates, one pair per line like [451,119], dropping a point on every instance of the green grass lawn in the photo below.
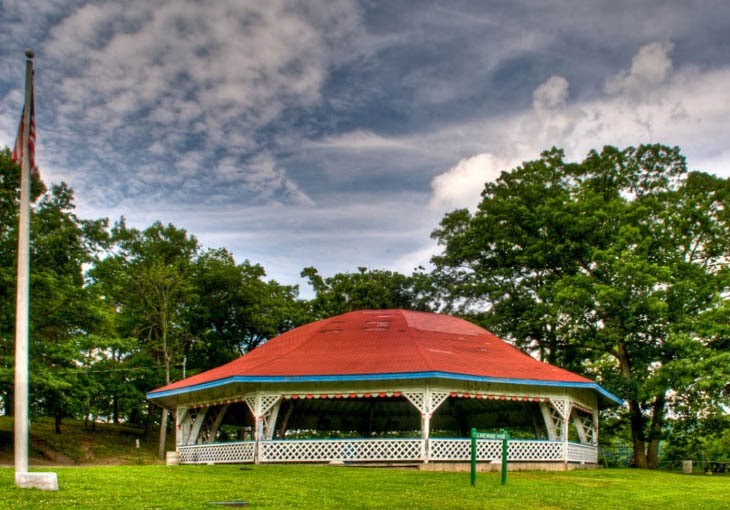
[322,487]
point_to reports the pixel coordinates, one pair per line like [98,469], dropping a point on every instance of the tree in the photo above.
[237,309]
[149,279]
[61,310]
[9,207]
[365,289]
[615,267]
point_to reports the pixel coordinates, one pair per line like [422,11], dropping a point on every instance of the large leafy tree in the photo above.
[61,309]
[188,309]
[615,266]
[237,309]
[365,289]
[149,279]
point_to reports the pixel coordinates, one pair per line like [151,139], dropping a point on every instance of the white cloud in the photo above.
[550,95]
[204,113]
[555,117]
[651,103]
[649,68]
[462,184]
[165,76]
[266,180]
[360,140]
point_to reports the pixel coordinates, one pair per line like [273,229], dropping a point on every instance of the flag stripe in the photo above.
[20,142]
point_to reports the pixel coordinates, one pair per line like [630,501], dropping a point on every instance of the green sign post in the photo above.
[504,436]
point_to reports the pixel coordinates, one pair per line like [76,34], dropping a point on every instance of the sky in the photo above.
[338,133]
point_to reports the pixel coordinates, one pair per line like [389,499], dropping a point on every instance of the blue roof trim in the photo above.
[380,377]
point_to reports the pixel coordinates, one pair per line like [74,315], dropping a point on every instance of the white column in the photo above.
[426,402]
[197,426]
[564,429]
[260,405]
[580,428]
[548,414]
[216,424]
[556,419]
[181,413]
[270,421]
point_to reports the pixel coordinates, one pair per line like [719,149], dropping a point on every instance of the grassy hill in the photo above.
[106,444]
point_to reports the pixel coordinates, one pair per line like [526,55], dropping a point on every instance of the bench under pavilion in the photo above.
[385,386]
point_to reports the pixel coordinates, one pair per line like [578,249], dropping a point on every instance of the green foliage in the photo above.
[237,309]
[60,307]
[702,438]
[615,267]
[364,290]
[150,302]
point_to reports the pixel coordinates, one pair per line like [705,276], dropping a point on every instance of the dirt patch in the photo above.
[48,453]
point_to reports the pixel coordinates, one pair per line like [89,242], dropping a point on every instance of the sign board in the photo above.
[503,435]
[488,435]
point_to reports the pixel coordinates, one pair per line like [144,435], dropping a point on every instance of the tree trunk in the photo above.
[637,434]
[655,432]
[652,454]
[148,422]
[9,402]
[163,419]
[115,409]
[646,448]
[58,419]
[163,434]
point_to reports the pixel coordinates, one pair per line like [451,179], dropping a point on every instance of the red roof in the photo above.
[382,342]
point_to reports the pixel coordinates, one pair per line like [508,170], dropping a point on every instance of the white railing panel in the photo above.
[460,449]
[535,451]
[582,453]
[384,450]
[490,449]
[217,453]
[354,450]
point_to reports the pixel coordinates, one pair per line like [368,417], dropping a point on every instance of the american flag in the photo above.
[20,142]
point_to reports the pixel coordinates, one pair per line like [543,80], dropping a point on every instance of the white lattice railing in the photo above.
[384,450]
[490,449]
[582,453]
[217,453]
[354,450]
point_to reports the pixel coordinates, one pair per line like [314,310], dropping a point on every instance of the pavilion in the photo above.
[384,386]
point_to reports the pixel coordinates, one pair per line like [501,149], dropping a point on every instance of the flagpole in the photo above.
[23,291]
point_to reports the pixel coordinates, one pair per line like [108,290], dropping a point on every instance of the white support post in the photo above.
[556,417]
[580,428]
[426,402]
[197,426]
[182,425]
[253,403]
[260,405]
[425,426]
[419,400]
[270,420]
[564,431]
[550,422]
[216,424]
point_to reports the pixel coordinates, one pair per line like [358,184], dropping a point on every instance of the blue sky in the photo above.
[337,133]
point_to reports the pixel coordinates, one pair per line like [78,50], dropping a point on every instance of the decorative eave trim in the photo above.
[383,377]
